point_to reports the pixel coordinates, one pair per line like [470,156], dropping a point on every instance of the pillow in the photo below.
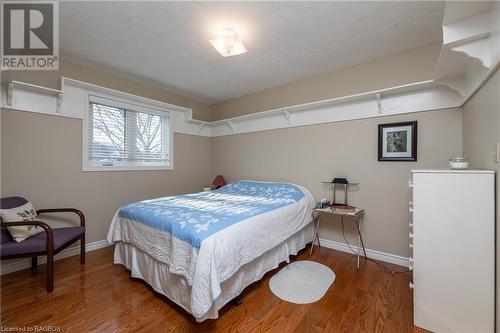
[25,212]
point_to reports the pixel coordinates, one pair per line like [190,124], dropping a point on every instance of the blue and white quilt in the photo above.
[206,237]
[194,217]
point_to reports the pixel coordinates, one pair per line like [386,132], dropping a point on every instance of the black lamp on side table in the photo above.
[342,183]
[342,210]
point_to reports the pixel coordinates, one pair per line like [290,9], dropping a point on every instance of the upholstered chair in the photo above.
[47,243]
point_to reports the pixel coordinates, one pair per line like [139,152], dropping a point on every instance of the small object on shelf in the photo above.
[459,163]
[208,188]
[219,181]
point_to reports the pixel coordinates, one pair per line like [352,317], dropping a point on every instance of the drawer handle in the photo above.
[410,184]
[411,245]
[411,235]
[410,267]
[411,210]
[411,224]
[411,285]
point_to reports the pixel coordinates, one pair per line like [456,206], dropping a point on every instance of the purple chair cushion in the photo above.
[38,243]
[8,203]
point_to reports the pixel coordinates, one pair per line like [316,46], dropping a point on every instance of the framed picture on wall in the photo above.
[397,141]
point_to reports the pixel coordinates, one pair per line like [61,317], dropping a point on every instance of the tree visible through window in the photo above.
[149,141]
[121,137]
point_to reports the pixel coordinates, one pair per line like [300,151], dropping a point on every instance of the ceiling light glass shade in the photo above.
[228,44]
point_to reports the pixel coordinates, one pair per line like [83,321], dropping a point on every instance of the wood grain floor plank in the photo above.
[102,297]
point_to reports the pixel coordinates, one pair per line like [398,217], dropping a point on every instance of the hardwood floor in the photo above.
[102,297]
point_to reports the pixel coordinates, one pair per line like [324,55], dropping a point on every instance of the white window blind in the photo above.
[122,136]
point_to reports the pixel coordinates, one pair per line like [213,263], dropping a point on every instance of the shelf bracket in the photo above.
[458,84]
[288,116]
[231,125]
[59,102]
[379,102]
[10,89]
[477,49]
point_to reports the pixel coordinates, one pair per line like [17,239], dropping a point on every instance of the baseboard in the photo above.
[373,254]
[20,264]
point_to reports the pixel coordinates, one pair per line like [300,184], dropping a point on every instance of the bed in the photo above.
[202,249]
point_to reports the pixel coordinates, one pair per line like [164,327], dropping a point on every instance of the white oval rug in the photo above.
[302,282]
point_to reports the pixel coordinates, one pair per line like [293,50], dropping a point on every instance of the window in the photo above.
[123,136]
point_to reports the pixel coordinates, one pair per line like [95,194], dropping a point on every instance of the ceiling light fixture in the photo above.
[228,43]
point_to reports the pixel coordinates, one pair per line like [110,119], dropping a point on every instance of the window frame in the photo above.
[112,101]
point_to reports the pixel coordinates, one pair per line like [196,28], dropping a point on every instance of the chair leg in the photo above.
[50,272]
[82,250]
[34,264]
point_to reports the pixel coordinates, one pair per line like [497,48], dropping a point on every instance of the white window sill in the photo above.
[126,168]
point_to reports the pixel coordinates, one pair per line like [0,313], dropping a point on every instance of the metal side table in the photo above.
[357,216]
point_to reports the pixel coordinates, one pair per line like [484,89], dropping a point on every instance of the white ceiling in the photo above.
[166,43]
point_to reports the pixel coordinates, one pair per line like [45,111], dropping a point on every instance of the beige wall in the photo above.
[42,160]
[402,68]
[52,79]
[481,133]
[309,155]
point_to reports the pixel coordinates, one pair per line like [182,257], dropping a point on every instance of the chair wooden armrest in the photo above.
[45,226]
[82,224]
[63,210]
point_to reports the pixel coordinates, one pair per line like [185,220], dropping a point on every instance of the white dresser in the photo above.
[453,241]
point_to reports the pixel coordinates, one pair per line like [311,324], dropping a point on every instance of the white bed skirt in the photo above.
[157,275]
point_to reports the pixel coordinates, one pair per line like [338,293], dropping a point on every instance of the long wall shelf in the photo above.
[16,95]
[407,98]
[414,97]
